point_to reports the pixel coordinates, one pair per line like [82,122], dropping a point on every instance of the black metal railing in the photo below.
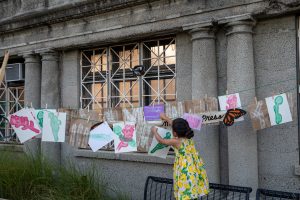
[262,194]
[157,188]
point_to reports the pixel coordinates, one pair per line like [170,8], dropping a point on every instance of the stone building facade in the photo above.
[246,46]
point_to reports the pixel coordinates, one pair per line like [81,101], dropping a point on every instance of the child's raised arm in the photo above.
[164,117]
[170,142]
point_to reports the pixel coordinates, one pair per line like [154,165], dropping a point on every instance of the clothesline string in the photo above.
[241,91]
[76,117]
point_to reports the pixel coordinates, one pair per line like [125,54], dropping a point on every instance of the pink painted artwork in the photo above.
[195,121]
[24,124]
[231,102]
[125,140]
[127,136]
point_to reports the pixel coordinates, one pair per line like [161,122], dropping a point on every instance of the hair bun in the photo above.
[190,134]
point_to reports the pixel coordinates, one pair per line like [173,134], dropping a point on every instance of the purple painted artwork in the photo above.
[194,121]
[152,113]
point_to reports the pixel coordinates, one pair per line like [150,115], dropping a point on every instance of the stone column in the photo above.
[32,94]
[242,140]
[50,97]
[204,67]
[204,82]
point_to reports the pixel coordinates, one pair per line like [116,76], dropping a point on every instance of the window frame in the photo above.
[144,97]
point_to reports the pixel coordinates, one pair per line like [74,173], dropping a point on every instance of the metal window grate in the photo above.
[11,100]
[262,194]
[157,188]
[107,80]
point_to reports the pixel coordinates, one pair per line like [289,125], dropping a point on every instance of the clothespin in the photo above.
[26,105]
[31,105]
[88,120]
[88,109]
[46,106]
[226,92]
[255,100]
[205,102]
[273,94]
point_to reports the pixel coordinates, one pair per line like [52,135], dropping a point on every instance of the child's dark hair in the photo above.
[182,128]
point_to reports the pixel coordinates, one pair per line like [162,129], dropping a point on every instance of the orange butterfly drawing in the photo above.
[231,115]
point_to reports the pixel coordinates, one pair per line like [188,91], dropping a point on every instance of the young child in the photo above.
[190,179]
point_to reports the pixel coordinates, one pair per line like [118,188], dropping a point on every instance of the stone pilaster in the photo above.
[32,94]
[50,97]
[204,82]
[241,139]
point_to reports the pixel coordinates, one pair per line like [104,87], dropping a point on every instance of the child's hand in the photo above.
[163,116]
[154,129]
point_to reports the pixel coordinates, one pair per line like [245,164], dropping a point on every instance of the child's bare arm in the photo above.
[164,117]
[170,142]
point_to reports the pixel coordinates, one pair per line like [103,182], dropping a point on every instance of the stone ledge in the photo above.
[62,13]
[297,170]
[11,147]
[133,157]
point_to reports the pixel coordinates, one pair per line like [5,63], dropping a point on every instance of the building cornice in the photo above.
[63,13]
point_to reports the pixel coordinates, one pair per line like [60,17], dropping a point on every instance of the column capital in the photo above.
[48,54]
[30,57]
[202,30]
[238,27]
[202,33]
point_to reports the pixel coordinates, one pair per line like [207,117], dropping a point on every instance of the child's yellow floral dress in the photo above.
[190,179]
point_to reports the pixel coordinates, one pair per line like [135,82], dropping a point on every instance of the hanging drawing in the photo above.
[211,104]
[175,109]
[195,121]
[71,114]
[212,117]
[112,115]
[133,114]
[279,110]
[152,113]
[24,124]
[39,115]
[79,133]
[259,115]
[233,114]
[291,97]
[100,136]
[230,101]
[125,140]
[157,149]
[144,136]
[54,126]
[92,115]
[194,106]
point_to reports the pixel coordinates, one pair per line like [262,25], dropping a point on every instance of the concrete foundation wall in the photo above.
[127,175]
